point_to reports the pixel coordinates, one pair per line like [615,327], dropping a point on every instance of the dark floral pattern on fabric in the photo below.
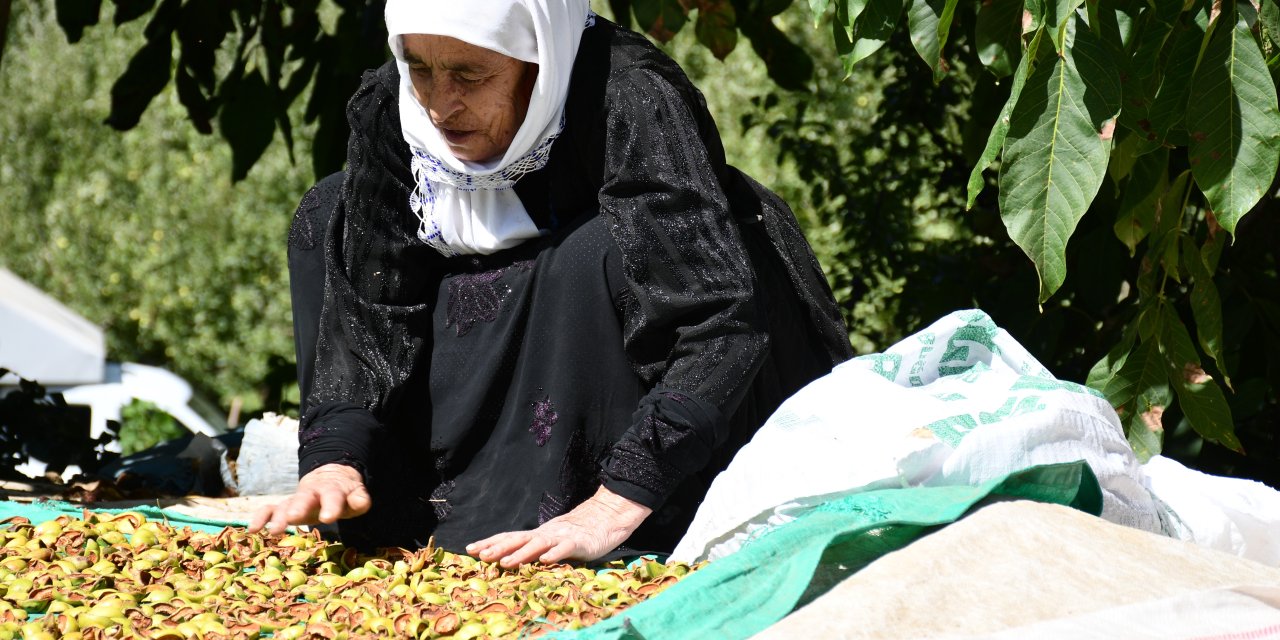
[475,297]
[544,417]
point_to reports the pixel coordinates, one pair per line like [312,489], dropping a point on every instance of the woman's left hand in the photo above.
[589,531]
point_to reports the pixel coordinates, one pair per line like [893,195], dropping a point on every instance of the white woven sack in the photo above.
[268,460]
[960,402]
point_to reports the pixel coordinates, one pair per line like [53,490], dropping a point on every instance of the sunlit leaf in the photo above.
[1102,376]
[1145,427]
[929,23]
[1033,16]
[995,142]
[1057,19]
[1234,124]
[1134,382]
[859,36]
[1056,154]
[818,8]
[1269,26]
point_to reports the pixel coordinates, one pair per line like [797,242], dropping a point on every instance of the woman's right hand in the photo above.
[326,494]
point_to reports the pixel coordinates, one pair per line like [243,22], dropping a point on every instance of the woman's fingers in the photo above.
[325,495]
[358,502]
[304,508]
[499,546]
[261,517]
[561,551]
[273,518]
[528,552]
[550,543]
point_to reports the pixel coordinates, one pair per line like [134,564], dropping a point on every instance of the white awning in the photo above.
[44,341]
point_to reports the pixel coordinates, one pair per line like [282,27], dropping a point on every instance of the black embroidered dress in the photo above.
[670,306]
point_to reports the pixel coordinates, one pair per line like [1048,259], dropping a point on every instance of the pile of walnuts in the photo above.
[123,576]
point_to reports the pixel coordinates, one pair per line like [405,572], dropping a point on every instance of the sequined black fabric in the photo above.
[475,298]
[668,310]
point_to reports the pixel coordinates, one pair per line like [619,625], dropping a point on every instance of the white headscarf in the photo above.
[469,207]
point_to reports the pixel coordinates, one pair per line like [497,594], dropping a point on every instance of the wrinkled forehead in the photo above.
[502,26]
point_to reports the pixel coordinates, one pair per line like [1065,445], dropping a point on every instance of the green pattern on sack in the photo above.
[1051,384]
[979,333]
[1012,407]
[952,430]
[886,365]
[975,372]
[927,339]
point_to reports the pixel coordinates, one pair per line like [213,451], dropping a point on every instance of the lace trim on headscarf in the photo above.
[428,169]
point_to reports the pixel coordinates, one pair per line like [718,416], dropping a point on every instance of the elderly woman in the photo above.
[538,312]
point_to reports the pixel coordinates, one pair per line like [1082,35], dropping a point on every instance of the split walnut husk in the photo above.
[123,576]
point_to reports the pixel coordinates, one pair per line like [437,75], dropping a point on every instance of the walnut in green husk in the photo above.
[123,576]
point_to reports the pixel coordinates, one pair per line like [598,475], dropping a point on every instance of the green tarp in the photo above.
[746,592]
[41,511]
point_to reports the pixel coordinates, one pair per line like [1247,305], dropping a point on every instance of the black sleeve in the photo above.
[691,323]
[374,331]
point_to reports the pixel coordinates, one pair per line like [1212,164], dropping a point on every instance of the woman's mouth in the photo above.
[456,137]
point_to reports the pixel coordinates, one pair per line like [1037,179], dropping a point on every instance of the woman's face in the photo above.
[475,97]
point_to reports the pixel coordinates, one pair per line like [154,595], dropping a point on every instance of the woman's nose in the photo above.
[444,99]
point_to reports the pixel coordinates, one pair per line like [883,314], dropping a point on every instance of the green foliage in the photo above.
[245,63]
[1056,149]
[1133,204]
[142,233]
[144,425]
[869,163]
[1233,122]
[1137,93]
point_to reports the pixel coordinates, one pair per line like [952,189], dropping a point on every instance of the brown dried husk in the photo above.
[122,576]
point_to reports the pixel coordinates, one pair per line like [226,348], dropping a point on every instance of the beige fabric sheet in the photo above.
[1011,565]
